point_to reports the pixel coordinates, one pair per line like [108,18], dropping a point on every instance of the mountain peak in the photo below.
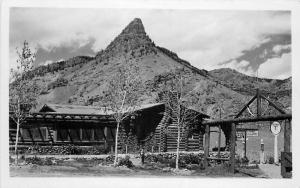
[134,27]
[132,40]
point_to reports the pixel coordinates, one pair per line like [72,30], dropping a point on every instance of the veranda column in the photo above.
[105,138]
[219,141]
[287,136]
[206,146]
[232,147]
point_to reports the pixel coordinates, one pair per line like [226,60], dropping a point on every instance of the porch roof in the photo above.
[86,110]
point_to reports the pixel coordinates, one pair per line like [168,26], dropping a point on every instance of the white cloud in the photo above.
[276,68]
[203,37]
[48,62]
[279,48]
[242,66]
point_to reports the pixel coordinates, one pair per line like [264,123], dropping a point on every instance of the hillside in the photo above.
[277,90]
[82,80]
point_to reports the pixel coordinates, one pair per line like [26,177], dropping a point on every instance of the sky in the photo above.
[251,42]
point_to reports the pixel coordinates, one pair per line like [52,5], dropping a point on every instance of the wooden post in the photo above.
[105,138]
[206,146]
[245,144]
[258,98]
[232,148]
[80,134]
[92,133]
[55,135]
[286,156]
[287,136]
[219,141]
[262,152]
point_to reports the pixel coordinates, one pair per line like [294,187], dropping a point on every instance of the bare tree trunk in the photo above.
[178,145]
[116,144]
[17,139]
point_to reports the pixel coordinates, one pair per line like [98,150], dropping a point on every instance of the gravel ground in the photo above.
[271,170]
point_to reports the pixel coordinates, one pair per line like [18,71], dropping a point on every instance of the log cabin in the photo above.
[58,124]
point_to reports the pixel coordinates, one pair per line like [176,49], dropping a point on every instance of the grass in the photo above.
[93,167]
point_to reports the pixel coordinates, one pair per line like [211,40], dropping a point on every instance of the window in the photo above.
[62,134]
[99,134]
[111,133]
[25,133]
[75,134]
[35,132]
[86,134]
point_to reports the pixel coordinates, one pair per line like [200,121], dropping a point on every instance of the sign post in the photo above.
[245,144]
[275,129]
[262,154]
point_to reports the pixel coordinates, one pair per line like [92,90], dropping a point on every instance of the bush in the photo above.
[270,160]
[66,150]
[125,162]
[245,161]
[170,159]
[110,159]
[189,159]
[48,161]
[201,165]
[172,163]
[34,160]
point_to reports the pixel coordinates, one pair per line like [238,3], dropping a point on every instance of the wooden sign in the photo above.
[252,133]
[275,128]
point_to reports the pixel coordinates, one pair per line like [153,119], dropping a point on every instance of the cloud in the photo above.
[66,50]
[242,66]
[276,68]
[48,62]
[279,48]
[203,37]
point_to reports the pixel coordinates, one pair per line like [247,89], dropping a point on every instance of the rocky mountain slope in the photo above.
[82,80]
[277,90]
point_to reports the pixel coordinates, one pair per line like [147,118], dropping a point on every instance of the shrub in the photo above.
[270,160]
[169,159]
[125,162]
[172,163]
[110,159]
[201,165]
[66,150]
[40,161]
[48,161]
[244,161]
[189,159]
[34,160]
